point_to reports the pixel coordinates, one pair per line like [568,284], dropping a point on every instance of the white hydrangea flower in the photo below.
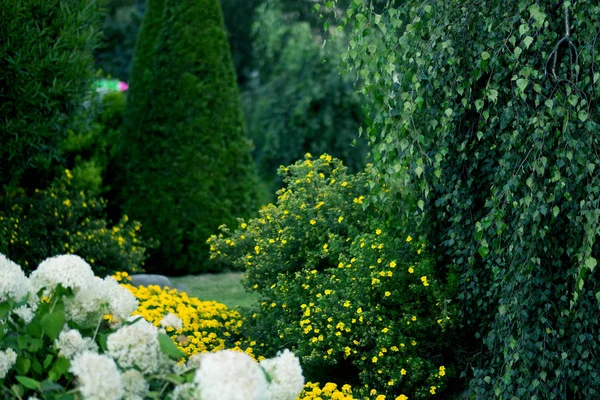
[8,358]
[285,374]
[70,343]
[26,312]
[230,375]
[121,302]
[98,376]
[171,320]
[102,296]
[186,391]
[69,270]
[136,346]
[134,384]
[14,285]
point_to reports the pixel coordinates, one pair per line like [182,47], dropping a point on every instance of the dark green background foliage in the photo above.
[45,69]
[297,101]
[120,27]
[188,167]
[341,287]
[500,141]
[90,153]
[60,220]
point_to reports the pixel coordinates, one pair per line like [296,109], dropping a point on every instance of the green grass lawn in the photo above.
[225,288]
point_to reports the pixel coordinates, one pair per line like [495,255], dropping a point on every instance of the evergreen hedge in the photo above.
[187,163]
[45,69]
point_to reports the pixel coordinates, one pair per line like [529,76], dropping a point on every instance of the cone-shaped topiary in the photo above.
[187,163]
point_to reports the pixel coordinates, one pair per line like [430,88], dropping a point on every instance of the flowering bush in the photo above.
[65,333]
[61,219]
[195,326]
[355,297]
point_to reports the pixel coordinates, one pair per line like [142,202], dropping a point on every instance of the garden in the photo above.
[349,199]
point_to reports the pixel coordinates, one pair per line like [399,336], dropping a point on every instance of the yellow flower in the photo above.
[378,232]
[387,294]
[401,397]
[393,264]
[409,239]
[340,219]
[344,184]
[414,318]
[312,222]
[374,360]
[380,397]
[411,270]
[424,280]
[442,371]
[243,225]
[402,371]
[432,390]
[359,310]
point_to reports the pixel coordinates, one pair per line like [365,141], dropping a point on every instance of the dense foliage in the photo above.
[186,164]
[353,295]
[45,69]
[297,101]
[63,219]
[485,116]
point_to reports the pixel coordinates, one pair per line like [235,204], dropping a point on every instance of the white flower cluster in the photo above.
[135,346]
[231,375]
[171,320]
[285,376]
[14,285]
[7,360]
[98,377]
[68,270]
[70,343]
[101,297]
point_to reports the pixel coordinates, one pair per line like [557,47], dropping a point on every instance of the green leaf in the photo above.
[448,112]
[485,55]
[418,170]
[583,115]
[527,41]
[522,83]
[5,308]
[591,263]
[492,95]
[518,51]
[483,251]
[53,323]
[60,367]
[555,211]
[168,347]
[478,104]
[49,386]
[28,382]
[22,365]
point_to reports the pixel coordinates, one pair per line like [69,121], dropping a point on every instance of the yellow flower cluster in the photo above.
[207,325]
[328,391]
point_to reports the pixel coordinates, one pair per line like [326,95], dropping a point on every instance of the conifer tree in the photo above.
[186,163]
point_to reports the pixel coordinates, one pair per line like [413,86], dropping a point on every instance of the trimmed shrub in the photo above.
[45,70]
[63,219]
[358,299]
[188,168]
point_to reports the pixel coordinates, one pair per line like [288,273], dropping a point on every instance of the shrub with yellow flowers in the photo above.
[61,219]
[356,297]
[195,326]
